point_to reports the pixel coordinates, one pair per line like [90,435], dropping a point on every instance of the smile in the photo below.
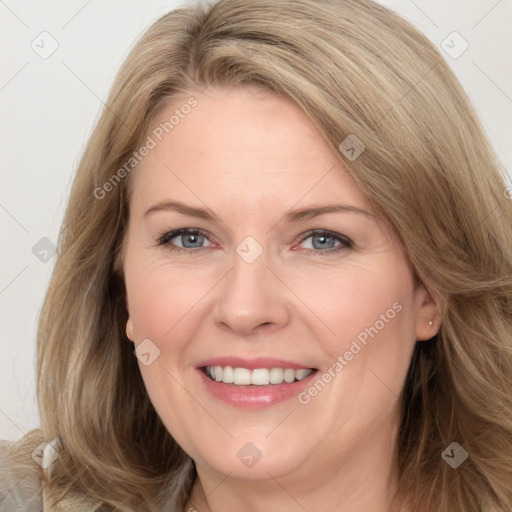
[256,377]
[254,383]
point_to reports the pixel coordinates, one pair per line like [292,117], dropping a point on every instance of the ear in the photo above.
[129,329]
[118,269]
[129,322]
[428,318]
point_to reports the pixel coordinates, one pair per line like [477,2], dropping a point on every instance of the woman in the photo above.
[284,278]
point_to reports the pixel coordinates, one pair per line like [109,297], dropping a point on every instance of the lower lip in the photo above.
[254,397]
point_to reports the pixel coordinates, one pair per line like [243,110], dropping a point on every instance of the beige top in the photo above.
[16,494]
[27,494]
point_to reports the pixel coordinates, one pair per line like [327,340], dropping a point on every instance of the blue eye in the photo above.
[325,242]
[192,240]
[189,238]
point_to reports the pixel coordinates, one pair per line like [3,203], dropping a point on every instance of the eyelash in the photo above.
[164,238]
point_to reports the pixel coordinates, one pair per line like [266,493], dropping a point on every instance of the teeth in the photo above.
[276,376]
[228,375]
[289,375]
[258,377]
[301,374]
[242,376]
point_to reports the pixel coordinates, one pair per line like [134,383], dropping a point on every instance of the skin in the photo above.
[250,157]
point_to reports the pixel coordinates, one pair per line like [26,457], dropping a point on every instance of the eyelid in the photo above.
[166,234]
[346,242]
[320,231]
[164,238]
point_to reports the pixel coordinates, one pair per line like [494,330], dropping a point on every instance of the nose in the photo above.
[252,299]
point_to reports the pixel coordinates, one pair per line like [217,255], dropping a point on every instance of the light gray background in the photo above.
[49,106]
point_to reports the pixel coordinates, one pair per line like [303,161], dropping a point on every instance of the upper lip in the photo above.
[251,364]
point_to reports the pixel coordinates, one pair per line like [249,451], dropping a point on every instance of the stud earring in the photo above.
[430,323]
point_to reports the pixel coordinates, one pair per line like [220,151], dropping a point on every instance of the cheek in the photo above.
[161,308]
[372,318]
[159,299]
[374,324]
[358,301]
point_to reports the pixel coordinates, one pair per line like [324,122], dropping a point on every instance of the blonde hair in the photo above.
[355,68]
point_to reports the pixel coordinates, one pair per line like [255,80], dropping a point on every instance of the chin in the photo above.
[249,462]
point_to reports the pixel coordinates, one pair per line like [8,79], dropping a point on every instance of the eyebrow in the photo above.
[298,215]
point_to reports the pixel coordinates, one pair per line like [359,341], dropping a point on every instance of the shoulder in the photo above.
[21,479]
[19,489]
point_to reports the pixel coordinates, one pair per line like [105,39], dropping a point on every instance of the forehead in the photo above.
[240,146]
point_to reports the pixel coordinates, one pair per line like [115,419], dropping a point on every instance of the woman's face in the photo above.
[275,278]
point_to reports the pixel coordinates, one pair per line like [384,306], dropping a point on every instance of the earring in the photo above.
[430,323]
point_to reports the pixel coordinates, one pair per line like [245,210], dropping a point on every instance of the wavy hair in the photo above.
[354,68]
